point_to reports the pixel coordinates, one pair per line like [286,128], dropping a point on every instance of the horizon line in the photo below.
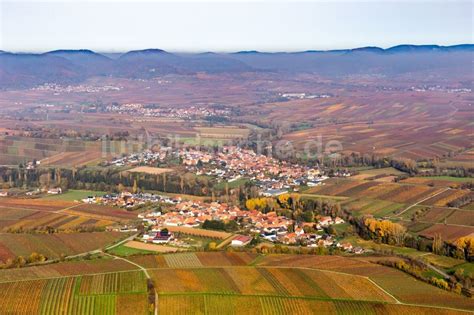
[227,51]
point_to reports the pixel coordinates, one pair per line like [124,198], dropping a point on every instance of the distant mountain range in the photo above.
[70,66]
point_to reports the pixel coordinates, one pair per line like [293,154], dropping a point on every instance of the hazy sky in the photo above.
[230,25]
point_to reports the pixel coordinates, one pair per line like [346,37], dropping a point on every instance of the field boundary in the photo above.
[145,270]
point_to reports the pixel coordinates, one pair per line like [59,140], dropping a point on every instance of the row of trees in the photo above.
[21,261]
[229,226]
[295,207]
[106,180]
[387,232]
[384,231]
[419,271]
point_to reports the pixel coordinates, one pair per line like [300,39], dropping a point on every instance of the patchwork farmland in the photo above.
[53,246]
[277,284]
[51,152]
[415,198]
[95,294]
[31,214]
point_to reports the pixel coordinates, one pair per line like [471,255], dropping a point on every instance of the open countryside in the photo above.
[230,158]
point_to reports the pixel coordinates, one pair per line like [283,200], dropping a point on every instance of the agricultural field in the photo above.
[438,181]
[268,281]
[415,195]
[379,174]
[125,251]
[376,207]
[442,199]
[74,195]
[150,170]
[100,212]
[30,214]
[103,264]
[469,206]
[392,192]
[234,304]
[51,152]
[52,246]
[425,135]
[403,287]
[203,283]
[150,247]
[461,217]
[207,259]
[225,132]
[91,294]
[74,159]
[447,232]
[463,159]
[436,215]
[199,232]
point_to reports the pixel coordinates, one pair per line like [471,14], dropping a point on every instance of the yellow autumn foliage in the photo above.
[466,243]
[386,228]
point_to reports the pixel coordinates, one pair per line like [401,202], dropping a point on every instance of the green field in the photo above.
[443,261]
[207,142]
[72,195]
[467,267]
[378,208]
[125,251]
[411,252]
[234,184]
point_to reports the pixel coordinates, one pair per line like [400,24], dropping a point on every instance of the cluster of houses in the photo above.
[232,163]
[81,88]
[292,96]
[146,157]
[49,191]
[192,214]
[138,109]
[129,200]
[269,226]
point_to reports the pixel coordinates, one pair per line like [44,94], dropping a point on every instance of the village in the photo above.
[143,110]
[268,227]
[233,163]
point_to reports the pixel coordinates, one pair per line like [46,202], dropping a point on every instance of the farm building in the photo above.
[241,240]
[163,237]
[55,191]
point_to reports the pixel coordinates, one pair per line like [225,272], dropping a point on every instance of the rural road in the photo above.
[441,272]
[131,237]
[145,271]
[420,201]
[97,251]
